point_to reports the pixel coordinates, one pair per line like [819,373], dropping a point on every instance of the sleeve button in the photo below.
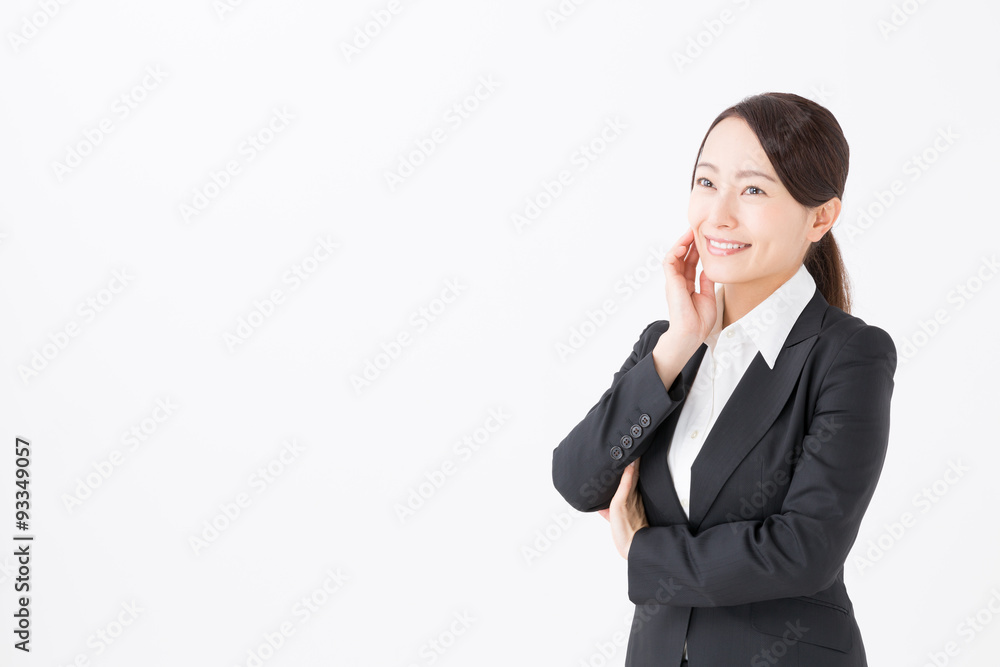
[636,430]
[616,452]
[644,420]
[626,441]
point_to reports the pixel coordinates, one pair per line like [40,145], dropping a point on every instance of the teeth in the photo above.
[728,246]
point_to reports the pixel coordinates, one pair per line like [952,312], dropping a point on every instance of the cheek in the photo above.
[696,212]
[770,228]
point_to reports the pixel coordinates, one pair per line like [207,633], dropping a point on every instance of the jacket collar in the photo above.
[769,323]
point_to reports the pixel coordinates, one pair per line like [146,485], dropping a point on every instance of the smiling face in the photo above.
[739,202]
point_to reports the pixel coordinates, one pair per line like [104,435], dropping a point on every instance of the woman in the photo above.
[760,411]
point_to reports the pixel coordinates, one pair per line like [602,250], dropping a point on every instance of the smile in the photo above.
[725,248]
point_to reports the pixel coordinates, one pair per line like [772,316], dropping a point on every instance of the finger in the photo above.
[680,247]
[686,237]
[707,286]
[673,260]
[624,486]
[640,510]
[691,265]
[676,264]
[687,241]
[630,477]
[634,477]
[694,255]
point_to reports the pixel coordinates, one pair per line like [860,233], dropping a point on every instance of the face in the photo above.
[738,199]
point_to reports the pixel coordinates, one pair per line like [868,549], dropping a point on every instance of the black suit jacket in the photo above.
[778,491]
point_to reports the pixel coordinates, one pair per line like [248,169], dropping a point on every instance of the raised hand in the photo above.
[692,313]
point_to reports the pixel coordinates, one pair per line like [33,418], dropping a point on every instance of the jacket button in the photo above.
[636,430]
[626,441]
[644,420]
[616,452]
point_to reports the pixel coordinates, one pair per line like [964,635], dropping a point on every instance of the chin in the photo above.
[718,274]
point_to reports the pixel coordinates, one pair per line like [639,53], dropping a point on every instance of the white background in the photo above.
[189,280]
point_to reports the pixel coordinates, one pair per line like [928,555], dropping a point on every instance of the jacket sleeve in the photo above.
[587,465]
[801,550]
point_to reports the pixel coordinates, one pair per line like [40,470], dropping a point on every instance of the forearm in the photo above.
[737,563]
[670,355]
[587,465]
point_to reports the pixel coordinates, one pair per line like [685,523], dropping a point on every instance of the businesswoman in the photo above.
[760,411]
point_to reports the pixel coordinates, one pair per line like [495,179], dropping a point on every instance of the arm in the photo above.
[801,550]
[584,471]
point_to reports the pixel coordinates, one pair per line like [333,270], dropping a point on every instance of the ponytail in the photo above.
[826,266]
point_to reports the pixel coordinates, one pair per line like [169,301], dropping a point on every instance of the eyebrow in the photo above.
[740,174]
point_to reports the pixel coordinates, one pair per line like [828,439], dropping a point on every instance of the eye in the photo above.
[706,181]
[754,187]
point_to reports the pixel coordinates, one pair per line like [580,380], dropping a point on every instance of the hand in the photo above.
[626,513]
[692,314]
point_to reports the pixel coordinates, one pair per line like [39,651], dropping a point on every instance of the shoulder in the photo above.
[839,330]
[843,338]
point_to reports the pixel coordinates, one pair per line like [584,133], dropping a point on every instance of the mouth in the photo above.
[724,247]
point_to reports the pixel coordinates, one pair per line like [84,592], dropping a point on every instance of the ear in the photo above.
[822,219]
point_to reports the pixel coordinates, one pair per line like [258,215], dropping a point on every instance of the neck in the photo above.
[740,298]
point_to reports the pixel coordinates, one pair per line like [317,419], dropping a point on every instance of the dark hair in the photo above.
[809,152]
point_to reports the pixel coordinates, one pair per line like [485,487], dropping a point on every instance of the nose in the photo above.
[720,212]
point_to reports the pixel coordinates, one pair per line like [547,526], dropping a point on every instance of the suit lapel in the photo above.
[751,409]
